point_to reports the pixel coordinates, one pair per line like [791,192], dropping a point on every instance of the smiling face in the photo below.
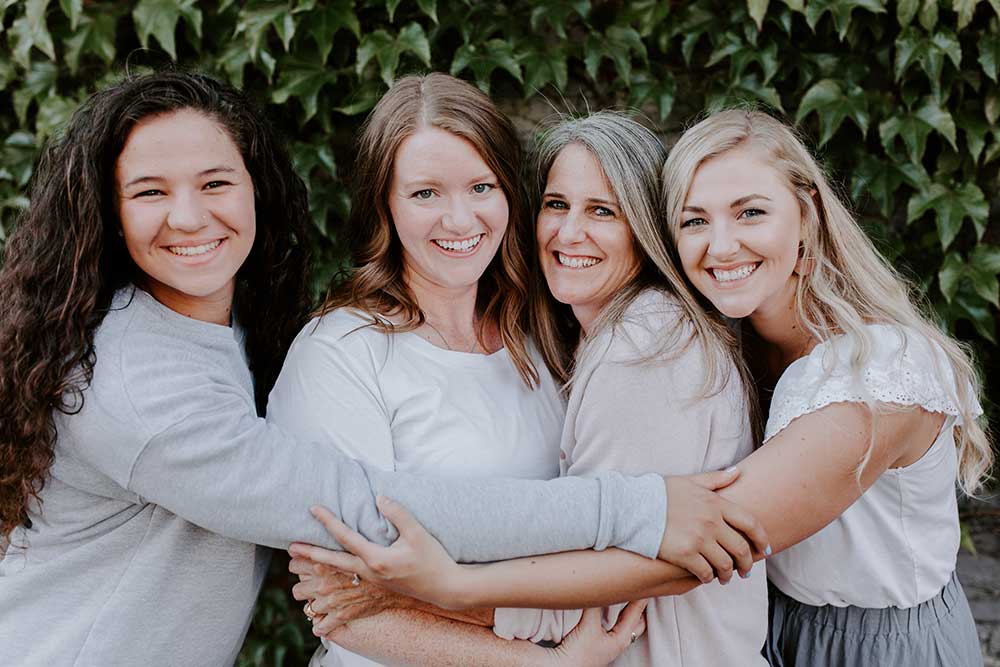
[585,244]
[448,210]
[739,235]
[186,206]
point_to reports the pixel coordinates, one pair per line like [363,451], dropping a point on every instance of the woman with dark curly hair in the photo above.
[146,301]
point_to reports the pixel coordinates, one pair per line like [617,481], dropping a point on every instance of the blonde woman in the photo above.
[873,410]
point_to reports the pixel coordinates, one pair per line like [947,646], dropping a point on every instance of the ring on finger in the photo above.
[356,580]
[309,611]
[633,638]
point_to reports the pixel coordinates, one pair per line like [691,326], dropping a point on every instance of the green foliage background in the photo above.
[901,100]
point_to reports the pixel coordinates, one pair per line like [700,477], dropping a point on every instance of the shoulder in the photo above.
[883,363]
[653,325]
[342,332]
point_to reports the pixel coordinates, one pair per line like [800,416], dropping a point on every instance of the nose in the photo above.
[723,242]
[187,213]
[459,219]
[571,230]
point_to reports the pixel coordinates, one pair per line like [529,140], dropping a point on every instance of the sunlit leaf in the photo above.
[758,10]
[73,9]
[965,9]
[928,15]
[906,10]
[158,18]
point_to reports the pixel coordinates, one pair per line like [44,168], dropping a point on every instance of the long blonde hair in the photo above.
[848,283]
[375,284]
[631,157]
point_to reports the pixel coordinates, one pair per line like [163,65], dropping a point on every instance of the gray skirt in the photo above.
[940,631]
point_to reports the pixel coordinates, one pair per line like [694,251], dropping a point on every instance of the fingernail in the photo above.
[767,550]
[745,575]
[731,469]
[314,510]
[723,581]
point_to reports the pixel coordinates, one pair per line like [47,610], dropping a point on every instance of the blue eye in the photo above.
[423,194]
[603,212]
[752,213]
[482,188]
[693,222]
[556,204]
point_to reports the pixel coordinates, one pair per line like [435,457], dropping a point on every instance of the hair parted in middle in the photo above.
[376,284]
[632,158]
[847,284]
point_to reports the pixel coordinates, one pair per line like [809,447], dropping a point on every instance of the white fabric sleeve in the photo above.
[903,368]
[328,392]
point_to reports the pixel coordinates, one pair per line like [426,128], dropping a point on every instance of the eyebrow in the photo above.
[736,203]
[157,179]
[595,200]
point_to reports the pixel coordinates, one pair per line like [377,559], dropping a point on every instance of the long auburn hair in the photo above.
[65,260]
[376,284]
[848,284]
[631,158]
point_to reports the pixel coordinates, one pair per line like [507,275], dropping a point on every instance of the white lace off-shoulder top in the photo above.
[897,544]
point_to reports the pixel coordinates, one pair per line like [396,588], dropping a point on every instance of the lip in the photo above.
[731,284]
[460,253]
[195,259]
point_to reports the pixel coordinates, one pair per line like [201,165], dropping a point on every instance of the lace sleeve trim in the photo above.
[901,369]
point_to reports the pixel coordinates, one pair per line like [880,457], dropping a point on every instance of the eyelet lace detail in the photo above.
[902,368]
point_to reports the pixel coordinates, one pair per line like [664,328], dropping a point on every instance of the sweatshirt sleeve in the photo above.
[203,454]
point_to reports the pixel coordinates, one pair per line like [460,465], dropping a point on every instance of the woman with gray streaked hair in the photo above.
[654,382]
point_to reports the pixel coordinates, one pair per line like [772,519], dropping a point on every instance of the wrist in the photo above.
[459,591]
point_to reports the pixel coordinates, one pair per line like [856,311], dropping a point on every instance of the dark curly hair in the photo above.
[65,260]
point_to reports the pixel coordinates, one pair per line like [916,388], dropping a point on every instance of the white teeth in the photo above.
[576,262]
[460,246]
[727,276]
[190,250]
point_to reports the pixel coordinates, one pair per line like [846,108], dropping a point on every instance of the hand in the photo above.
[335,597]
[591,645]
[707,534]
[415,565]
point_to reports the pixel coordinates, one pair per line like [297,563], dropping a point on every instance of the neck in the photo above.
[587,315]
[449,309]
[215,308]
[777,324]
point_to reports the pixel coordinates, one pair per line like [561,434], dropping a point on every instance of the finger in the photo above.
[629,617]
[591,617]
[739,549]
[328,624]
[305,590]
[350,539]
[400,517]
[718,479]
[746,523]
[303,567]
[338,559]
[699,567]
[719,560]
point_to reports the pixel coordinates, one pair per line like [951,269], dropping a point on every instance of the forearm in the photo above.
[416,638]
[476,616]
[571,580]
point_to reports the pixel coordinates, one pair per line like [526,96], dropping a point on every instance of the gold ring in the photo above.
[309,611]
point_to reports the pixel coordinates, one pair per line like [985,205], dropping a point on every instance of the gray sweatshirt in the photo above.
[145,548]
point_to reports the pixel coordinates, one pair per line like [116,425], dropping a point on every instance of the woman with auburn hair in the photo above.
[146,299]
[868,400]
[653,384]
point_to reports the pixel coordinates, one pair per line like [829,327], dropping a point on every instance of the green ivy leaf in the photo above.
[39,83]
[965,9]
[644,15]
[984,265]
[950,274]
[234,60]
[361,99]
[53,114]
[975,129]
[758,10]
[617,44]
[906,10]
[543,66]
[558,13]
[840,10]
[387,50]
[972,307]
[742,90]
[914,127]
[483,59]
[661,90]
[159,18]
[413,39]
[989,54]
[73,9]
[19,152]
[256,21]
[930,52]
[832,104]
[929,14]
[335,16]
[877,178]
[429,8]
[93,35]
[390,8]
[951,205]
[303,80]
[307,156]
[30,31]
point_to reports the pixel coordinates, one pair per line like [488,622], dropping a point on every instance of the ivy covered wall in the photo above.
[901,99]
